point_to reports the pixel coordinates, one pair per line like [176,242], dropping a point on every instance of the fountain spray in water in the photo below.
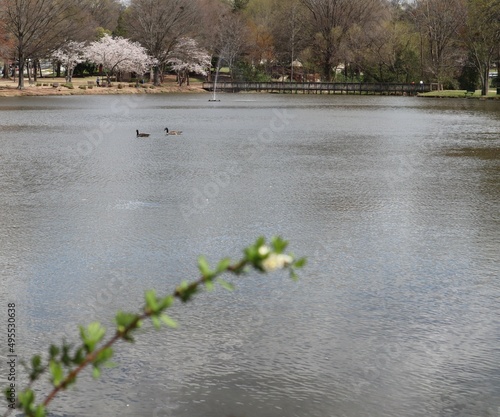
[214,97]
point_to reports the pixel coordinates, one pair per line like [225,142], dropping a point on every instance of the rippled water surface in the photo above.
[394,200]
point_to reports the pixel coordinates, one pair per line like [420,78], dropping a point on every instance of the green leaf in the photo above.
[185,291]
[299,263]
[96,373]
[36,367]
[57,372]
[204,268]
[53,351]
[103,356]
[156,322]
[251,252]
[92,335]
[183,285]
[151,300]
[66,355]
[224,284]
[128,338]
[7,391]
[223,265]
[293,275]
[209,285]
[110,364]
[124,320]
[278,244]
[261,240]
[166,302]
[40,411]
[169,321]
[36,361]
[78,357]
[26,399]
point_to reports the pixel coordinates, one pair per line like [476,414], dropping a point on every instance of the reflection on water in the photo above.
[394,200]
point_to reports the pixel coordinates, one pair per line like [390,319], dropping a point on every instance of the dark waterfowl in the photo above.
[142,135]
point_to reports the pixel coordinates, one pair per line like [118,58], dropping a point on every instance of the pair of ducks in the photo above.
[167,132]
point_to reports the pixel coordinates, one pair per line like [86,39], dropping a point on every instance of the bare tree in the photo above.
[289,32]
[330,23]
[105,13]
[40,25]
[212,14]
[232,39]
[7,49]
[439,23]
[158,24]
[483,36]
[386,50]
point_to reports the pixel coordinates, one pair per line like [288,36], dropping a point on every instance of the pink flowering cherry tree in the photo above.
[70,55]
[118,55]
[188,57]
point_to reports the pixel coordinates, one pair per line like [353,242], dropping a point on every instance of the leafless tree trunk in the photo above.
[212,13]
[39,25]
[330,23]
[289,33]
[232,40]
[104,13]
[483,36]
[6,69]
[439,23]
[158,24]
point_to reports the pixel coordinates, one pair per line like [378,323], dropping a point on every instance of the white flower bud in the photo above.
[264,250]
[276,261]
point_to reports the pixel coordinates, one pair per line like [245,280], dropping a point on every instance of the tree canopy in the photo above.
[346,40]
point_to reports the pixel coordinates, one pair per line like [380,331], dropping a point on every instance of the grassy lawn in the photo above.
[461,94]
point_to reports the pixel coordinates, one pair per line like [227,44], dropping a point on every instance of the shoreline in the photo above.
[8,88]
[44,87]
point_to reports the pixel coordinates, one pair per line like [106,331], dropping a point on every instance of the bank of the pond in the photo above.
[86,86]
[492,95]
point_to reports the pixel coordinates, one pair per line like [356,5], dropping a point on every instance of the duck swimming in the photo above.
[172,132]
[142,135]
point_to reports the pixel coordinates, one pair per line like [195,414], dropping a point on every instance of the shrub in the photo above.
[83,87]
[69,85]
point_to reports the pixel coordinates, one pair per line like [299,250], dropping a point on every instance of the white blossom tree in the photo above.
[188,57]
[69,55]
[117,55]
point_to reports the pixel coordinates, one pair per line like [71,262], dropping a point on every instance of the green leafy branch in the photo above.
[65,362]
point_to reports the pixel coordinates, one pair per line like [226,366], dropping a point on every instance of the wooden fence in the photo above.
[323,87]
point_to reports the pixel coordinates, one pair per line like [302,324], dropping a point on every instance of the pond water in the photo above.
[394,200]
